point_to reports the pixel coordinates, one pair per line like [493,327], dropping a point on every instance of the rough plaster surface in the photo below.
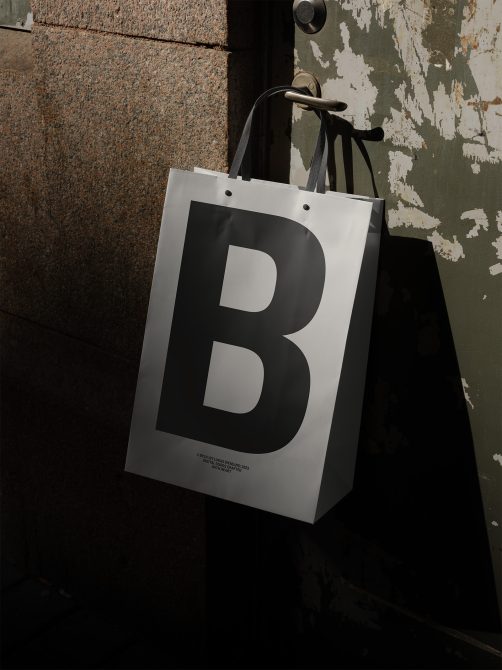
[111,124]
[193,21]
[430,74]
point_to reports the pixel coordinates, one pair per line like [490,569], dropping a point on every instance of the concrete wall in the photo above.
[97,103]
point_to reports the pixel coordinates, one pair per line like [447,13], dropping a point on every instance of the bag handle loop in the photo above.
[242,159]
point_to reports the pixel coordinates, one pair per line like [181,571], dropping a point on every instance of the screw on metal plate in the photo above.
[309,82]
[309,15]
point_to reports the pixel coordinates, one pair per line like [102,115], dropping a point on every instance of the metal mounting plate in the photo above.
[309,15]
[307,80]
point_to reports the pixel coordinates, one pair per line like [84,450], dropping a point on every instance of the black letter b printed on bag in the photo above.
[214,339]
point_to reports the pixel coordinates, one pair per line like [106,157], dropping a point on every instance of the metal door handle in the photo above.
[318,103]
[312,98]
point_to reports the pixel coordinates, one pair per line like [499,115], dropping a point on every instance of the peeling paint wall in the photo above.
[16,14]
[430,75]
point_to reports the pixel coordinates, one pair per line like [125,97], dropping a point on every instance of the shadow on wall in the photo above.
[416,492]
[408,544]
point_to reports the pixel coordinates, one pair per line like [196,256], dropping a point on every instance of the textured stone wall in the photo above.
[97,103]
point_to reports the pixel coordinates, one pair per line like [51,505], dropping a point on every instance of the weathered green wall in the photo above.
[430,74]
[16,13]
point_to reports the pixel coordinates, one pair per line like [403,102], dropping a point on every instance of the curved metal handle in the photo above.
[318,103]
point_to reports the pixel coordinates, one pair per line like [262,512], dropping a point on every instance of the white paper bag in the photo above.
[254,357]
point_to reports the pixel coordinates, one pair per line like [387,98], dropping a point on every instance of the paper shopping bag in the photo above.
[257,306]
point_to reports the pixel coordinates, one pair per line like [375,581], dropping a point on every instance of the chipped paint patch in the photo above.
[446,109]
[352,84]
[481,43]
[297,113]
[476,168]
[411,217]
[298,173]
[408,41]
[361,11]
[481,153]
[26,23]
[400,165]
[465,386]
[451,250]
[498,458]
[469,126]
[480,38]
[318,54]
[400,130]
[16,14]
[497,268]
[498,246]
[409,103]
[494,523]
[480,221]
